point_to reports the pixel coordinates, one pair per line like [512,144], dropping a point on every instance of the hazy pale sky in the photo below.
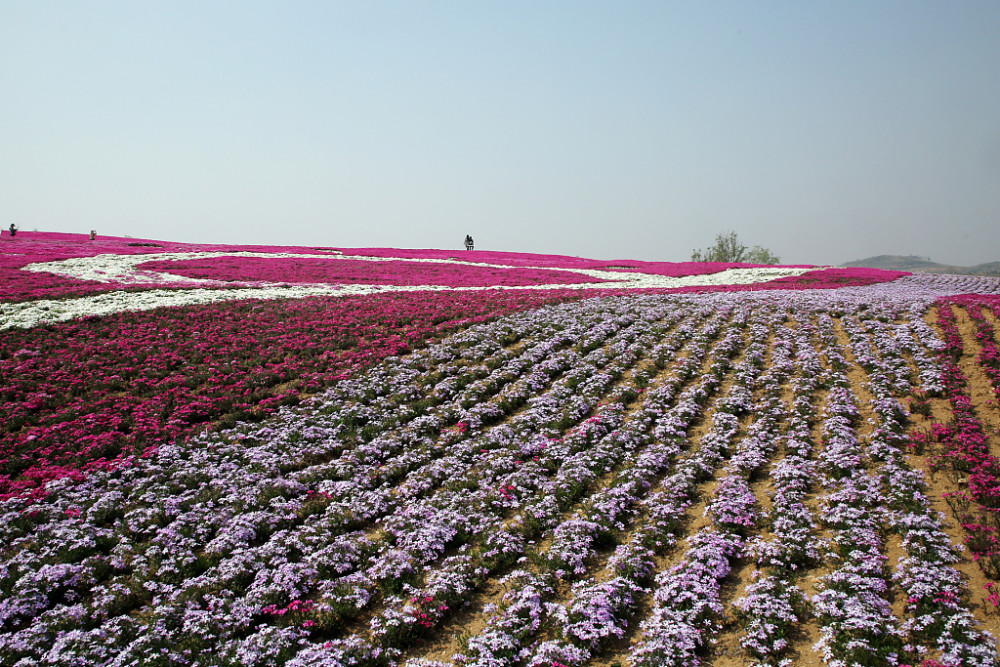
[826,132]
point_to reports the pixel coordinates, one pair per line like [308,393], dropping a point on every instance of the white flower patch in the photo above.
[124,269]
[31,313]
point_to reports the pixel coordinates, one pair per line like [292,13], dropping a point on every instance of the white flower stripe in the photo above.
[124,269]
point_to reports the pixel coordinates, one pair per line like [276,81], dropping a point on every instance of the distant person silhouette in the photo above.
[469,244]
[13,229]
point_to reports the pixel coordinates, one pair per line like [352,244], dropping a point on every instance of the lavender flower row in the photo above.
[598,609]
[773,606]
[857,625]
[937,609]
[390,624]
[688,604]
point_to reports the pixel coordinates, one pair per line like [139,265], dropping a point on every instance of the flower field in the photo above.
[309,456]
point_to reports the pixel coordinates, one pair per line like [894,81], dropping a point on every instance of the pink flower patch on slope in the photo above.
[672,269]
[91,393]
[333,270]
[35,247]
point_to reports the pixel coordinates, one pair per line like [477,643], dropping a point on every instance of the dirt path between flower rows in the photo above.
[943,482]
[726,650]
[983,396]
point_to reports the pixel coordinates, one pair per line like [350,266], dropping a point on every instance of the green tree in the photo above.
[729,248]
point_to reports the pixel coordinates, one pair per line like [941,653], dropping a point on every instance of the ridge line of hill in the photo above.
[922,264]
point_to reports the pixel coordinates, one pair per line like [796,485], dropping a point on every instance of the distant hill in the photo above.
[987,269]
[923,264]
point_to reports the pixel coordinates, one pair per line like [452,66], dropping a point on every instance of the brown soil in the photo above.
[449,638]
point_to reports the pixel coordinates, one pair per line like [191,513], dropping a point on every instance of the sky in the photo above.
[825,132]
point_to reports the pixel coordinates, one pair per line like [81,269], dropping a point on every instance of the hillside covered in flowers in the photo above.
[261,456]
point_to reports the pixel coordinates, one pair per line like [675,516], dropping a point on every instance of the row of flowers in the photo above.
[773,606]
[936,593]
[858,624]
[688,606]
[966,448]
[572,542]
[986,336]
[598,607]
